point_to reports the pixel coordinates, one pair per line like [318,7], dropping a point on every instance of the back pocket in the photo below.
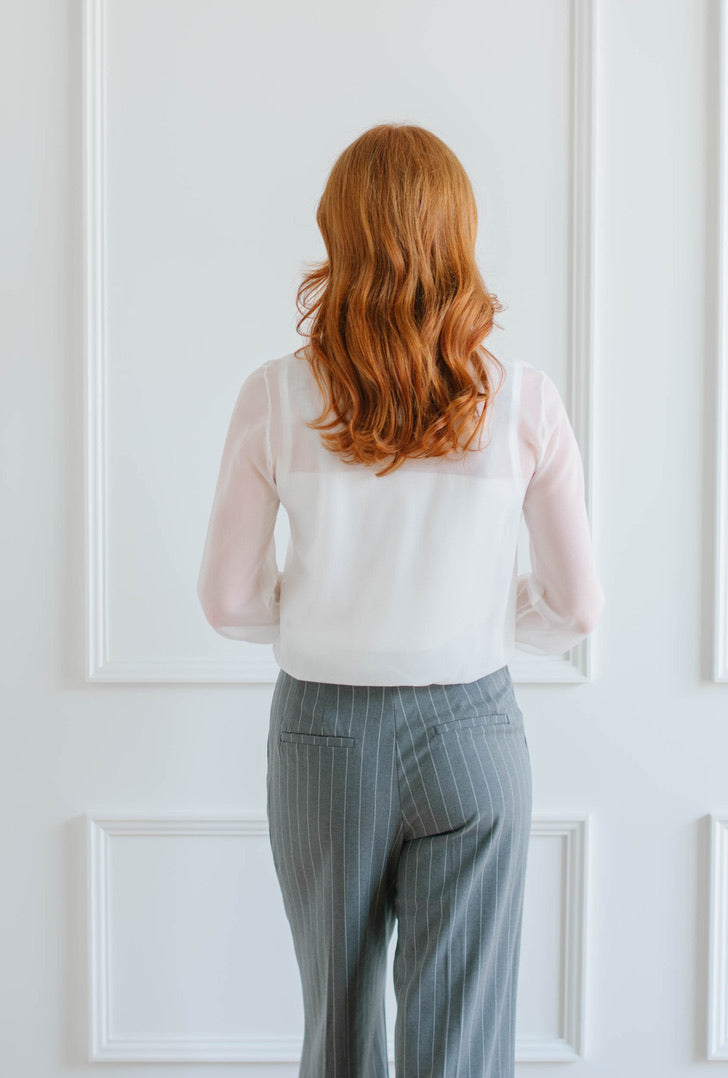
[474,722]
[330,740]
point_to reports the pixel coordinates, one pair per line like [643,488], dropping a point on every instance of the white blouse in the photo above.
[408,578]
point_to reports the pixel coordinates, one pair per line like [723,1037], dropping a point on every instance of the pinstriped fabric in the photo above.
[411,805]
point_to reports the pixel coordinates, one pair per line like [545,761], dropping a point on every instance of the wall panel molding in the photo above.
[567,1041]
[258,664]
[102,832]
[717,1025]
[116,893]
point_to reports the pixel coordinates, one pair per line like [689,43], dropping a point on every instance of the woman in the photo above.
[399,779]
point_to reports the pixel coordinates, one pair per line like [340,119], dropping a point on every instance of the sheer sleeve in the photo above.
[561,600]
[239,581]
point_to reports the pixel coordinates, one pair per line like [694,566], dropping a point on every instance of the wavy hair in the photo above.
[399,307]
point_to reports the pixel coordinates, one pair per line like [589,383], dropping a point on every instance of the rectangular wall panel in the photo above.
[198,226]
[191,958]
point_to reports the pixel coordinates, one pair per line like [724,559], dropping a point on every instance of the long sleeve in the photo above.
[561,600]
[239,580]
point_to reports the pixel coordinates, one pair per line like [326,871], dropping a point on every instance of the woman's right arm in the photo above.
[560,601]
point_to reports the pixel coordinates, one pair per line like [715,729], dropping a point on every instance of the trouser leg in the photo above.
[335,832]
[460,885]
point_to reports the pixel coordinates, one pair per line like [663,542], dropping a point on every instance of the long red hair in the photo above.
[399,306]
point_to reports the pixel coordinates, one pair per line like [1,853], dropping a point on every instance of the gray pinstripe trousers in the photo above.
[412,803]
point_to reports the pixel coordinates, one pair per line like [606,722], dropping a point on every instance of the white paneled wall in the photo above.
[162,168]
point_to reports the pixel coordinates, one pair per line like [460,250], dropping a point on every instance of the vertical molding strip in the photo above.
[720,576]
[95,334]
[717,1018]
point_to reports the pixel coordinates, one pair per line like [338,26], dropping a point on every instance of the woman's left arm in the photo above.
[239,580]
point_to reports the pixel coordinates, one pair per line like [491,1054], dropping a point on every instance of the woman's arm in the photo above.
[561,600]
[239,580]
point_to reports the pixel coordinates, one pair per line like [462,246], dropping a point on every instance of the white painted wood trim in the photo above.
[720,591]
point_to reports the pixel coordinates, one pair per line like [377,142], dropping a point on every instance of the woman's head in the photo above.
[398,308]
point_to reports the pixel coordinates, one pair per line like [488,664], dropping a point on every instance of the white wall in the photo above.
[133,739]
